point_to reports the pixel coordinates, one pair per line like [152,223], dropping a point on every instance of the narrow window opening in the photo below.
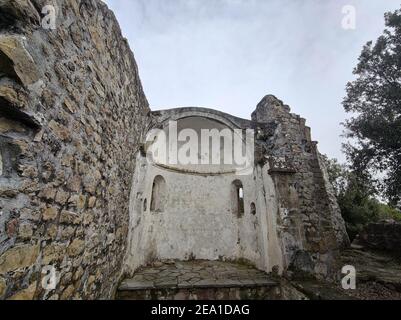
[241,201]
[253,208]
[237,198]
[159,193]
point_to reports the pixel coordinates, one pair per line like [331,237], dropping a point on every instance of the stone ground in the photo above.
[378,278]
[192,280]
[188,274]
[378,274]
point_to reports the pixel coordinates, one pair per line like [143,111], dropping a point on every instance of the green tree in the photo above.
[374,99]
[356,198]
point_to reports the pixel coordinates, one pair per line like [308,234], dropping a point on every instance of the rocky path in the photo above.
[378,274]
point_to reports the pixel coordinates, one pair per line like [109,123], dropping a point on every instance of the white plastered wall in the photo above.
[197,221]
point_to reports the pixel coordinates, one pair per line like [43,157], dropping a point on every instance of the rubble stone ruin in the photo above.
[78,194]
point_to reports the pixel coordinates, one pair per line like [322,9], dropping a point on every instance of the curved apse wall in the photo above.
[198,220]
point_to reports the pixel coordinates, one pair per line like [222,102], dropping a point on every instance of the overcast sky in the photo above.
[228,54]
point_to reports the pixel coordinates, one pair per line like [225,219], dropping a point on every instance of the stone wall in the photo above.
[73,117]
[382,235]
[296,225]
[198,220]
[72,111]
[309,220]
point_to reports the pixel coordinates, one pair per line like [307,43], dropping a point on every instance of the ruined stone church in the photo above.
[78,194]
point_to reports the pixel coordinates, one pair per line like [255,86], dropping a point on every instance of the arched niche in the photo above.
[159,194]
[199,145]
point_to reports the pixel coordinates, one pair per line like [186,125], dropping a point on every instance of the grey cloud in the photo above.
[227,54]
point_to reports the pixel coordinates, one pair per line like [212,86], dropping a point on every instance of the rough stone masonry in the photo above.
[73,119]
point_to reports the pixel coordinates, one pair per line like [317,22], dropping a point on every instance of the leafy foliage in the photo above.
[356,198]
[374,99]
